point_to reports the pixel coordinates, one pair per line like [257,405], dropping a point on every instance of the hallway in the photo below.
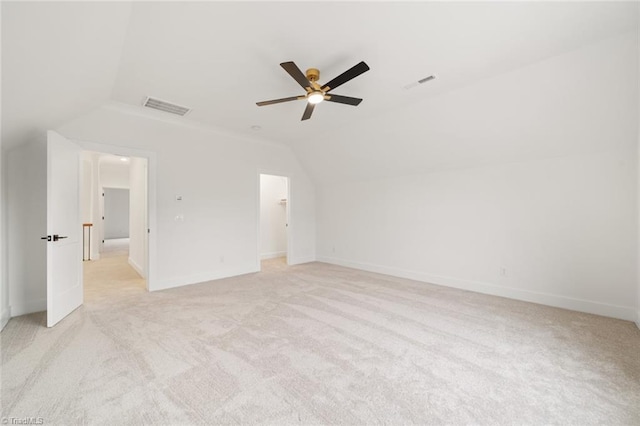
[111,277]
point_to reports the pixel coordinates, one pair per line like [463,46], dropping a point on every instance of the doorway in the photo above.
[114,206]
[116,220]
[273,247]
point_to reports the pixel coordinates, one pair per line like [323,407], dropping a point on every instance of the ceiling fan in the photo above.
[315,92]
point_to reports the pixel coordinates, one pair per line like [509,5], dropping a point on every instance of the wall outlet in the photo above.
[503,272]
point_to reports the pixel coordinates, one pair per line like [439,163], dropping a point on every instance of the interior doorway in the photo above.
[114,209]
[274,221]
[116,213]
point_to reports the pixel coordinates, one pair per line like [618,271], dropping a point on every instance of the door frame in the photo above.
[290,219]
[151,241]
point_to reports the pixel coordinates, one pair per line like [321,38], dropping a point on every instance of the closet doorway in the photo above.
[274,221]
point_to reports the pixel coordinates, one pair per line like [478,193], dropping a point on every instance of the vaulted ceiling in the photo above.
[60,60]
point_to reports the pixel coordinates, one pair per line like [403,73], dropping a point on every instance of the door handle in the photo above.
[56,237]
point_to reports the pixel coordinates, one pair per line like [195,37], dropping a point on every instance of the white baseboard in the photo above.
[136,267]
[301,260]
[273,255]
[201,278]
[4,317]
[604,309]
[28,307]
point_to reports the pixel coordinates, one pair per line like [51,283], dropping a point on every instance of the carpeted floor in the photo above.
[111,279]
[317,344]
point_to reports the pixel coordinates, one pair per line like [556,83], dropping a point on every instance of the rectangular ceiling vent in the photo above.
[165,106]
[421,81]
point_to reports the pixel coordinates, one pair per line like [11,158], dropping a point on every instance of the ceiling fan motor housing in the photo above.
[313,74]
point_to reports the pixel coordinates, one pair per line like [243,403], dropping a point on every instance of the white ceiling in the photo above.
[60,60]
[114,160]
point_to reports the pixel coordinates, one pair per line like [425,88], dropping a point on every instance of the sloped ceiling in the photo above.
[60,60]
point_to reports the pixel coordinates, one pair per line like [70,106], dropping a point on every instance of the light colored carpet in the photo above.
[109,280]
[320,344]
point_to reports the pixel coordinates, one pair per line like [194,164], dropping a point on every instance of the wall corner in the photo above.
[5,316]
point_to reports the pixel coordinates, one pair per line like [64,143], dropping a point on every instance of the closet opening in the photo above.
[274,231]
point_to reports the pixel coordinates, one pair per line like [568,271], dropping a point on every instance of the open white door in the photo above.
[64,246]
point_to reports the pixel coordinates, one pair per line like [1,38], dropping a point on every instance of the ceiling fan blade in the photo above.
[308,111]
[278,101]
[352,72]
[297,75]
[348,100]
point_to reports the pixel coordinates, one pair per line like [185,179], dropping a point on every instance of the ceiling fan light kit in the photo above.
[315,92]
[315,97]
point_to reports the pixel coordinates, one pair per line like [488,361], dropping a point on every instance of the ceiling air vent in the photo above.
[421,81]
[424,80]
[165,106]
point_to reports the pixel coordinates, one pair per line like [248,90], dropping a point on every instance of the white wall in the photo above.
[86,188]
[138,215]
[564,227]
[27,222]
[90,197]
[96,206]
[86,192]
[5,311]
[215,173]
[114,175]
[638,159]
[91,202]
[273,216]
[116,213]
